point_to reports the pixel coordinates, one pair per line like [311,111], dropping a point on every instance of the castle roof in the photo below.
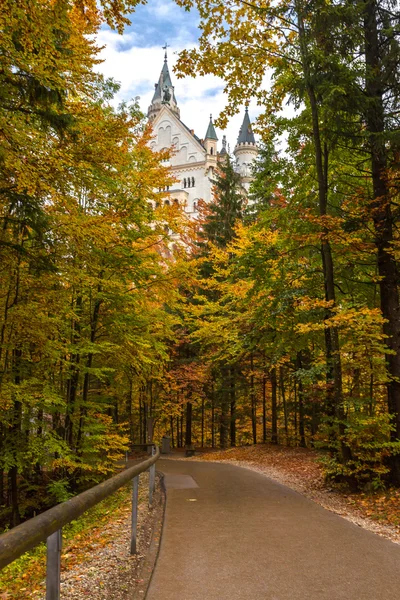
[211,134]
[164,80]
[246,135]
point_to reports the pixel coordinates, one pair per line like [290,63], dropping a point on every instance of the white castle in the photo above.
[194,160]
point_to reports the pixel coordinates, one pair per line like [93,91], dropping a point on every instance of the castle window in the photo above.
[184,182]
[188,182]
[192,181]
[166,203]
[194,206]
[176,201]
[212,151]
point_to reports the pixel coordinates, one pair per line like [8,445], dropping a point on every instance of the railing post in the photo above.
[152,478]
[135,498]
[53,567]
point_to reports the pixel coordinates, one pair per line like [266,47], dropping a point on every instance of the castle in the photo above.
[194,160]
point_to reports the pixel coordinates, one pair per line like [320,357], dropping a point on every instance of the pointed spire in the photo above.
[246,135]
[164,80]
[211,134]
[164,93]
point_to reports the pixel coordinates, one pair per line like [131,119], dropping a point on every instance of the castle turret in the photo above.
[210,141]
[245,150]
[163,94]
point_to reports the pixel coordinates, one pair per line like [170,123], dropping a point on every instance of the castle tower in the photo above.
[245,151]
[210,141]
[164,94]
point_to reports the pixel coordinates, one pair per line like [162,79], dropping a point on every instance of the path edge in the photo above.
[150,560]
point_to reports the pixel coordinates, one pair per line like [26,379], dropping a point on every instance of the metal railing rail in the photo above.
[48,525]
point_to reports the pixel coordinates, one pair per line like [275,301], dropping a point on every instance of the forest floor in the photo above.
[299,469]
[95,560]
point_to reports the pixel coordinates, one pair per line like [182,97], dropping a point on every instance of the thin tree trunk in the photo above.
[15,431]
[274,411]
[253,401]
[233,406]
[283,396]
[2,490]
[202,422]
[212,417]
[73,380]
[188,433]
[264,408]
[224,423]
[145,416]
[371,389]
[301,404]
[129,410]
[181,428]
[178,440]
[140,418]
[89,364]
[171,422]
[295,410]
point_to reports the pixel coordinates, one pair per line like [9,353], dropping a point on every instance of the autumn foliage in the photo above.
[273,317]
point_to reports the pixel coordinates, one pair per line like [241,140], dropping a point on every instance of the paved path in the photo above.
[232,534]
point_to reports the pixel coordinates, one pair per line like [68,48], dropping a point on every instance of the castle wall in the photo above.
[190,163]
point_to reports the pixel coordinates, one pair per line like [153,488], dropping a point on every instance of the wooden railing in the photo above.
[48,525]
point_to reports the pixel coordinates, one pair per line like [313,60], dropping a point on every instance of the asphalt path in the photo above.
[233,534]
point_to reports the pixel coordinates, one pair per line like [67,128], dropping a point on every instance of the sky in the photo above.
[135,60]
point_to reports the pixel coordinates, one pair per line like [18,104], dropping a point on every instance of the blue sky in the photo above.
[135,60]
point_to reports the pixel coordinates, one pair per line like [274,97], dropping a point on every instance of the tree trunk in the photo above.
[202,422]
[178,439]
[295,409]
[15,517]
[15,434]
[212,418]
[274,412]
[299,365]
[188,434]
[171,422]
[181,428]
[73,380]
[129,410]
[283,396]
[2,490]
[224,423]
[253,401]
[233,406]
[383,219]
[89,363]
[140,418]
[264,408]
[332,345]
[145,417]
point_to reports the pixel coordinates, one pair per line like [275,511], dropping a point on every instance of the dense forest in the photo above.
[273,318]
